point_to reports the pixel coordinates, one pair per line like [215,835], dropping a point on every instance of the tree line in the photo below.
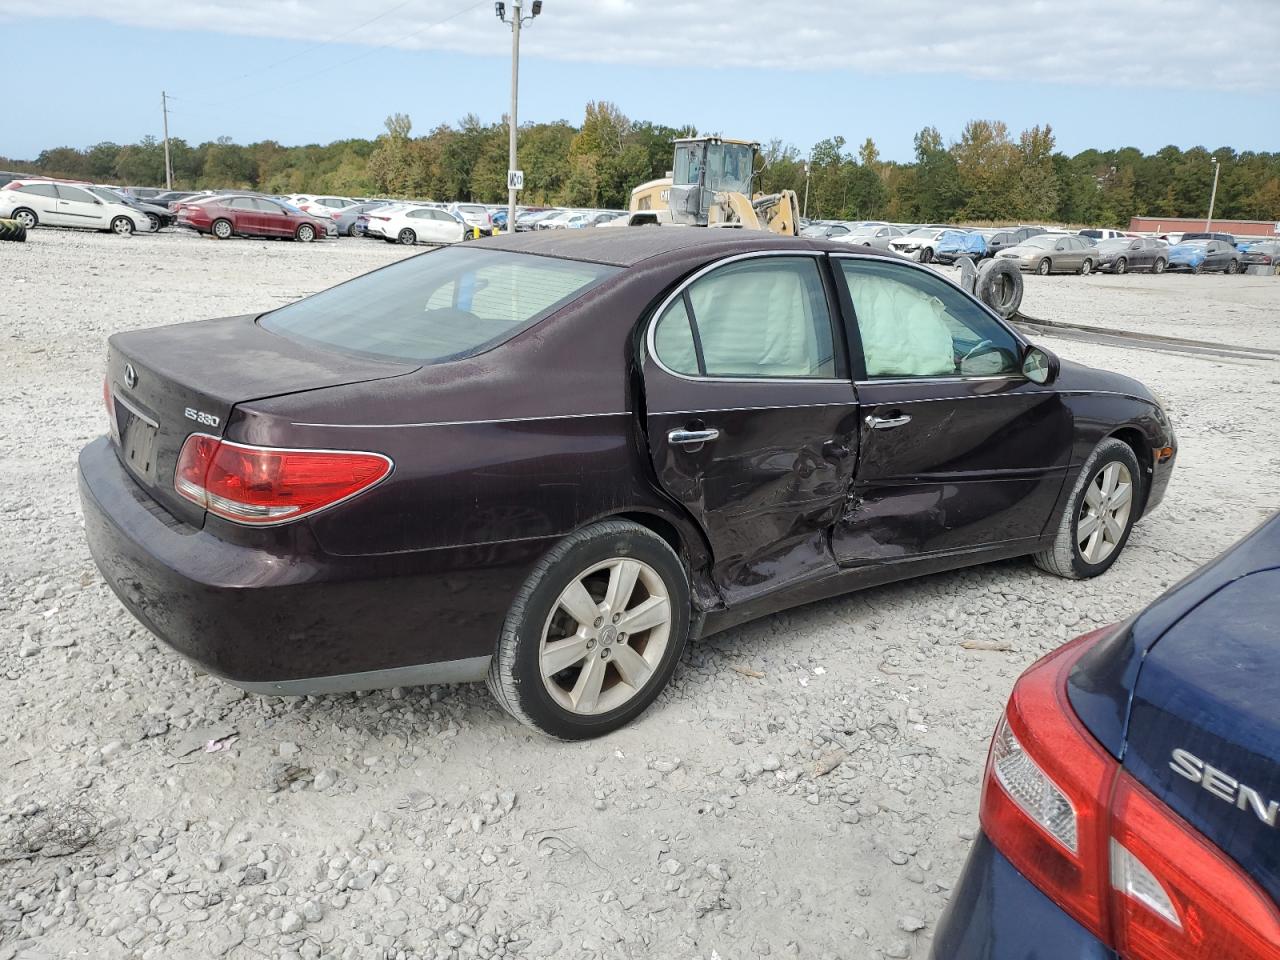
[986,175]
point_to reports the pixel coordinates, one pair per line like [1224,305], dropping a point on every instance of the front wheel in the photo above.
[1233,266]
[1099,516]
[1198,269]
[408,237]
[926,254]
[1122,265]
[594,634]
[1086,268]
[1044,266]
[1160,264]
[122,226]
[154,221]
[306,233]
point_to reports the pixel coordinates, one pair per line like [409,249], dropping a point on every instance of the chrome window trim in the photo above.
[651,333]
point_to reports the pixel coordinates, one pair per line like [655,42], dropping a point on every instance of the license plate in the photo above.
[138,441]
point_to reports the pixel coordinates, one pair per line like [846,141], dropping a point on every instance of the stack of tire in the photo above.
[12,230]
[997,283]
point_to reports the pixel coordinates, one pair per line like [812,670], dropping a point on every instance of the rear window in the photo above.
[439,306]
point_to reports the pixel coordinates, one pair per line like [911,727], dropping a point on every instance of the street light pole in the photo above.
[1217,169]
[168,167]
[517,18]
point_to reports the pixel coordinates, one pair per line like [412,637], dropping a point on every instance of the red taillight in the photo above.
[263,485]
[1119,861]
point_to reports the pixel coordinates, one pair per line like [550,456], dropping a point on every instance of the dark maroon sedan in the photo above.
[551,459]
[235,216]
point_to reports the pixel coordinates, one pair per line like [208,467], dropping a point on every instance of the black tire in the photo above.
[1086,267]
[515,676]
[154,221]
[305,233]
[1198,269]
[999,286]
[222,229]
[1121,266]
[1064,558]
[351,231]
[1159,265]
[1232,267]
[122,227]
[926,254]
[1044,267]
[407,236]
[12,230]
[26,217]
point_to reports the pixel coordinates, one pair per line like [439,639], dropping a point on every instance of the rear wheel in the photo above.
[26,217]
[1122,265]
[1159,266]
[122,226]
[408,237]
[1086,268]
[1098,518]
[222,229]
[305,233]
[1044,266]
[594,634]
[351,231]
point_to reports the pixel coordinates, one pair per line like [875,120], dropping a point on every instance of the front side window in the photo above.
[914,324]
[760,318]
[440,306]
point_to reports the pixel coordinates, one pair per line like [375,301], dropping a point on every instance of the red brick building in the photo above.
[1239,228]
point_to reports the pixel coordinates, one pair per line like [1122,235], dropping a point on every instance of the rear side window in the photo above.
[760,318]
[439,306]
[40,190]
[75,194]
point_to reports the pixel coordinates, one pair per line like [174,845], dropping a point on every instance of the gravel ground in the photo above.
[806,788]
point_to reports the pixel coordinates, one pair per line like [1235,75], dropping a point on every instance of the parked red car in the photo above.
[230,216]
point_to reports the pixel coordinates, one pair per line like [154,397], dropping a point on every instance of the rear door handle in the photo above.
[691,438]
[887,423]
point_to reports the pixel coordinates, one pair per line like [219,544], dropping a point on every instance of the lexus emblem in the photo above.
[130,376]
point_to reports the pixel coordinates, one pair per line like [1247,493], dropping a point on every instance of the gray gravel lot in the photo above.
[806,788]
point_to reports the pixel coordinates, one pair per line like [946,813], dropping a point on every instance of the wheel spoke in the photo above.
[578,603]
[1092,548]
[560,654]
[652,613]
[1121,495]
[586,692]
[1115,529]
[1086,527]
[622,583]
[1110,476]
[634,669]
[1093,494]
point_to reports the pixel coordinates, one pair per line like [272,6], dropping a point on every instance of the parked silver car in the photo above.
[1053,253]
[870,235]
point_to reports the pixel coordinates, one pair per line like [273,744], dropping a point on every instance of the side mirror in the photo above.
[1040,365]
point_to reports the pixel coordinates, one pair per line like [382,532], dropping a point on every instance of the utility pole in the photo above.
[1217,169]
[168,167]
[515,178]
[808,170]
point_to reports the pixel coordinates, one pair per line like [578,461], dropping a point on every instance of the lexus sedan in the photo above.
[1053,253]
[238,216]
[1129,806]
[549,459]
[1132,253]
[1204,256]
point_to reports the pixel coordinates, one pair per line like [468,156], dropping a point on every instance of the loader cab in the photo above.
[703,167]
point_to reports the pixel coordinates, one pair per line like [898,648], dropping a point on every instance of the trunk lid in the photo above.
[170,382]
[1204,731]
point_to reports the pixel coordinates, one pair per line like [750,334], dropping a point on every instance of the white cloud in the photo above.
[1227,45]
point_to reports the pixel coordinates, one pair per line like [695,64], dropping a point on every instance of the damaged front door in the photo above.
[752,417]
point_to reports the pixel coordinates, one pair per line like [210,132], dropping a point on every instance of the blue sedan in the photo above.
[1131,802]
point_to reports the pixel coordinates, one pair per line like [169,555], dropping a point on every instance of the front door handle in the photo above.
[693,438]
[887,423]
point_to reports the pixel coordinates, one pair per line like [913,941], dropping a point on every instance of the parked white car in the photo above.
[320,206]
[53,204]
[420,225]
[919,244]
[473,215]
[1100,234]
[870,235]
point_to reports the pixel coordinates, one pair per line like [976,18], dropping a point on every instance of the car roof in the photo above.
[625,248]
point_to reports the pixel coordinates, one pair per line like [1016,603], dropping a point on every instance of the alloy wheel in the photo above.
[1104,515]
[1122,265]
[605,636]
[26,218]
[122,226]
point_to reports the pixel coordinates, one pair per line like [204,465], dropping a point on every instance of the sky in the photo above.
[1103,73]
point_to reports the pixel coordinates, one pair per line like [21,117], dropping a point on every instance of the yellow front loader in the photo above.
[710,186]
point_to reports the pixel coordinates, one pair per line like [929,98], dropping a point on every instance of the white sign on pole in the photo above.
[515,179]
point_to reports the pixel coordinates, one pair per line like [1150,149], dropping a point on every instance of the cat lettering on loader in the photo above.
[710,186]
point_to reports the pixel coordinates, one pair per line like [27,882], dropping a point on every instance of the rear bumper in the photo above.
[285,617]
[995,913]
